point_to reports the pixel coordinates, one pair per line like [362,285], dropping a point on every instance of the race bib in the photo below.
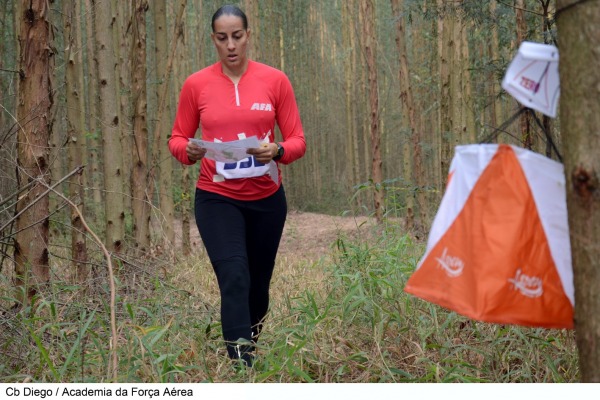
[246,168]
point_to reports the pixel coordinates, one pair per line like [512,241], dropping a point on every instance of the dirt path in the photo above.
[309,235]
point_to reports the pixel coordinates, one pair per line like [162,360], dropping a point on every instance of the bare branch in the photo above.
[51,188]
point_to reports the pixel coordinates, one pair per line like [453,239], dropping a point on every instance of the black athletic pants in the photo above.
[241,238]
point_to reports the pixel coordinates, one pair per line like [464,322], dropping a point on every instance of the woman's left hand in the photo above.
[264,153]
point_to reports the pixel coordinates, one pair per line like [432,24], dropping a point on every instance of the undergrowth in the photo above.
[345,318]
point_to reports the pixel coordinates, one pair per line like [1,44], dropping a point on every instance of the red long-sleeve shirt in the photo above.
[227,112]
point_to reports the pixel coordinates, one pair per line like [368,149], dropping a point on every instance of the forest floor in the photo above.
[310,236]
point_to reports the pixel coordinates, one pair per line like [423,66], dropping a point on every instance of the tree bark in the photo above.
[351,140]
[162,95]
[408,102]
[444,49]
[526,137]
[33,112]
[579,28]
[75,133]
[94,147]
[141,200]
[110,123]
[546,120]
[251,7]
[367,9]
[165,166]
[7,113]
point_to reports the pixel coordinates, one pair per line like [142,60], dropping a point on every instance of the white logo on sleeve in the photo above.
[530,286]
[452,265]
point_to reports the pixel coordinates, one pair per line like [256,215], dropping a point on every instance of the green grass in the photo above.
[344,320]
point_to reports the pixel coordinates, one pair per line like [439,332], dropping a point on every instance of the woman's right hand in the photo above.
[194,152]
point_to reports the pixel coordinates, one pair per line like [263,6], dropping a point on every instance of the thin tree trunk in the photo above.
[7,112]
[251,7]
[75,132]
[122,36]
[141,200]
[351,140]
[444,49]
[526,137]
[165,167]
[186,179]
[33,112]
[367,9]
[93,143]
[110,123]
[162,101]
[406,96]
[494,87]
[456,76]
[546,120]
[468,120]
[579,27]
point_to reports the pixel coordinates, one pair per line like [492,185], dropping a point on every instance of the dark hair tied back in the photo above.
[229,9]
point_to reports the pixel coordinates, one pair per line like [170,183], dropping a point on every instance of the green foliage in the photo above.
[343,320]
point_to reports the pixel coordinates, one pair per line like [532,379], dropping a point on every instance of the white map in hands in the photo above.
[274,172]
[228,152]
[234,151]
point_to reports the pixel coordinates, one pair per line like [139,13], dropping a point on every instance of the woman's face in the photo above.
[231,40]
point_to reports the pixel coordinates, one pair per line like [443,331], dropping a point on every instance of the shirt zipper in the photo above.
[237,95]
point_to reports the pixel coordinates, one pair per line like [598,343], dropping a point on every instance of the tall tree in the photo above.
[141,201]
[92,106]
[579,28]
[8,76]
[548,15]
[526,137]
[75,131]
[349,44]
[251,7]
[165,167]
[445,45]
[493,84]
[122,35]
[368,12]
[109,119]
[415,130]
[33,113]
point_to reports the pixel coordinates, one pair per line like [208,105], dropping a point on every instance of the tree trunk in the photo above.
[494,87]
[7,113]
[546,120]
[444,50]
[109,119]
[163,123]
[351,140]
[75,133]
[367,9]
[122,35]
[93,143]
[468,121]
[33,113]
[579,27]
[139,155]
[457,103]
[251,8]
[408,102]
[526,137]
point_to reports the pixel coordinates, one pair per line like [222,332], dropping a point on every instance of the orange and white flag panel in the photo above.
[499,249]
